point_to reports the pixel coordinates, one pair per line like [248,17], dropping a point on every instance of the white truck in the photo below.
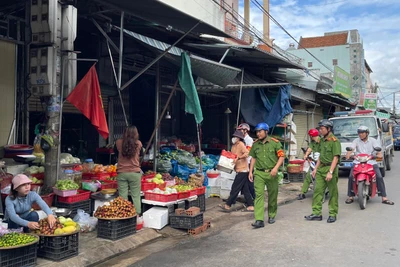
[345,125]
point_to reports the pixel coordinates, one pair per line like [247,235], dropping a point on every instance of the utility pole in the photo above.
[394,103]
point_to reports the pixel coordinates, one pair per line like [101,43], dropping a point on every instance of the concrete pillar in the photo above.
[246,36]
[266,26]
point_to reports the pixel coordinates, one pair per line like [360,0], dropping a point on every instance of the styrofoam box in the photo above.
[156,218]
[213,190]
[214,181]
[226,184]
[293,127]
[224,193]
[229,176]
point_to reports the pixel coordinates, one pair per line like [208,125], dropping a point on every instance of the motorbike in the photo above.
[364,178]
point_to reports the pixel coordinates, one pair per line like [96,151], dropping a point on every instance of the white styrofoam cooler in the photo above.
[156,218]
[229,176]
[224,193]
[226,184]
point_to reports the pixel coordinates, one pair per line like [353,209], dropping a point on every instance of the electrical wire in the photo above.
[328,3]
[280,26]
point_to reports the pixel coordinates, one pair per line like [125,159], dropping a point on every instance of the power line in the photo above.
[280,26]
[329,3]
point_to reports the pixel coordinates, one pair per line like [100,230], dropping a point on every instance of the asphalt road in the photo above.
[369,237]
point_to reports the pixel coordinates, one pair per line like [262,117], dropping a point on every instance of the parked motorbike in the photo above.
[364,178]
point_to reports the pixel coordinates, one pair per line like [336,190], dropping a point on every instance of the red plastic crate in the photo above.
[182,195]
[102,176]
[148,176]
[148,186]
[39,176]
[81,196]
[160,197]
[201,190]
[47,198]
[193,192]
[88,176]
[109,184]
[161,186]
[113,174]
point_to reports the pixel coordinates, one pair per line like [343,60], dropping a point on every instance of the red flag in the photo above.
[86,97]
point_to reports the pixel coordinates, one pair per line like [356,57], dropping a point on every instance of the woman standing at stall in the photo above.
[242,172]
[128,169]
[19,205]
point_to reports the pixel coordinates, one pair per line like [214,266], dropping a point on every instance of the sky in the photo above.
[377,21]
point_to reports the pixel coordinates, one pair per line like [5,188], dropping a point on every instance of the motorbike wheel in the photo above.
[388,166]
[362,194]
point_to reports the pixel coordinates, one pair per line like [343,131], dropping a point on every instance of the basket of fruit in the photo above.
[116,209]
[63,226]
[17,240]
[294,168]
[65,188]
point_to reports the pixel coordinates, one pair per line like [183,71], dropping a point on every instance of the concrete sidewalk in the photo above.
[93,250]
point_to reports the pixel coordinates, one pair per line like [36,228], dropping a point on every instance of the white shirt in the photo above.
[249,143]
[367,147]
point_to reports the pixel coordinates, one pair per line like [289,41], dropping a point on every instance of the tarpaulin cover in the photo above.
[256,107]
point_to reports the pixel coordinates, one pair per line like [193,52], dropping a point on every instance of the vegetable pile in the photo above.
[66,185]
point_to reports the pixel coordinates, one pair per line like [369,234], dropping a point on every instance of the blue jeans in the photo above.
[31,217]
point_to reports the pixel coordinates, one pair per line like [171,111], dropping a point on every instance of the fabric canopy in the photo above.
[214,72]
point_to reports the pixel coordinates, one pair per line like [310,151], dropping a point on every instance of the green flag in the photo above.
[192,102]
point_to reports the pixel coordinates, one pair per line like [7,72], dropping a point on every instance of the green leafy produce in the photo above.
[66,185]
[182,188]
[16,239]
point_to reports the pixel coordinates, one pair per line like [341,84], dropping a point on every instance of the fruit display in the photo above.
[66,185]
[34,170]
[118,208]
[111,168]
[167,191]
[61,227]
[179,181]
[157,179]
[36,180]
[66,158]
[16,239]
[167,177]
[182,188]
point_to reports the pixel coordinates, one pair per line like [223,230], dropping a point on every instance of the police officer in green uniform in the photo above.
[314,147]
[267,156]
[326,173]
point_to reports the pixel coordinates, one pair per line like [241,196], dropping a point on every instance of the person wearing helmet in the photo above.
[365,145]
[326,173]
[314,147]
[242,172]
[245,129]
[267,156]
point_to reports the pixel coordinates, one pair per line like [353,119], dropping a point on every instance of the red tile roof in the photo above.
[323,41]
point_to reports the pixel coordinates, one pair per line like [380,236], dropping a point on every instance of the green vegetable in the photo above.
[66,185]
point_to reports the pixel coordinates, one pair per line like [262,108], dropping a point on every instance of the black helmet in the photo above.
[326,123]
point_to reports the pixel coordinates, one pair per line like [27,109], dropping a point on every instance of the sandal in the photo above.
[247,210]
[349,201]
[387,202]
[224,209]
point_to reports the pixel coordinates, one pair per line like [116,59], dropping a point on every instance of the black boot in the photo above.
[313,217]
[301,196]
[271,220]
[258,224]
[331,219]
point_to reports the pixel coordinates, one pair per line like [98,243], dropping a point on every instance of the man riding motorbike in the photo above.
[365,145]
[313,148]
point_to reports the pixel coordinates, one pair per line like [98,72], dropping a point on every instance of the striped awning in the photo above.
[217,73]
[249,81]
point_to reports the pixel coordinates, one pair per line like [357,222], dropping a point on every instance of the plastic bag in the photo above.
[164,166]
[4,230]
[6,190]
[91,186]
[86,223]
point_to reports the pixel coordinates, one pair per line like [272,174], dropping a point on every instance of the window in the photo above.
[310,64]
[334,62]
[355,56]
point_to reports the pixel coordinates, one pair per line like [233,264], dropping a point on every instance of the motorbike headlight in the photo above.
[363,159]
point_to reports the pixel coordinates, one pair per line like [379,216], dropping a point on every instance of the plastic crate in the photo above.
[148,176]
[202,202]
[64,193]
[148,186]
[46,198]
[109,184]
[201,190]
[160,197]
[116,229]
[103,176]
[58,248]
[183,195]
[83,205]
[186,222]
[193,192]
[296,177]
[192,203]
[24,256]
[80,196]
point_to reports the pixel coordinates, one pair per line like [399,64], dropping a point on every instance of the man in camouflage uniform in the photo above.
[267,156]
[327,173]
